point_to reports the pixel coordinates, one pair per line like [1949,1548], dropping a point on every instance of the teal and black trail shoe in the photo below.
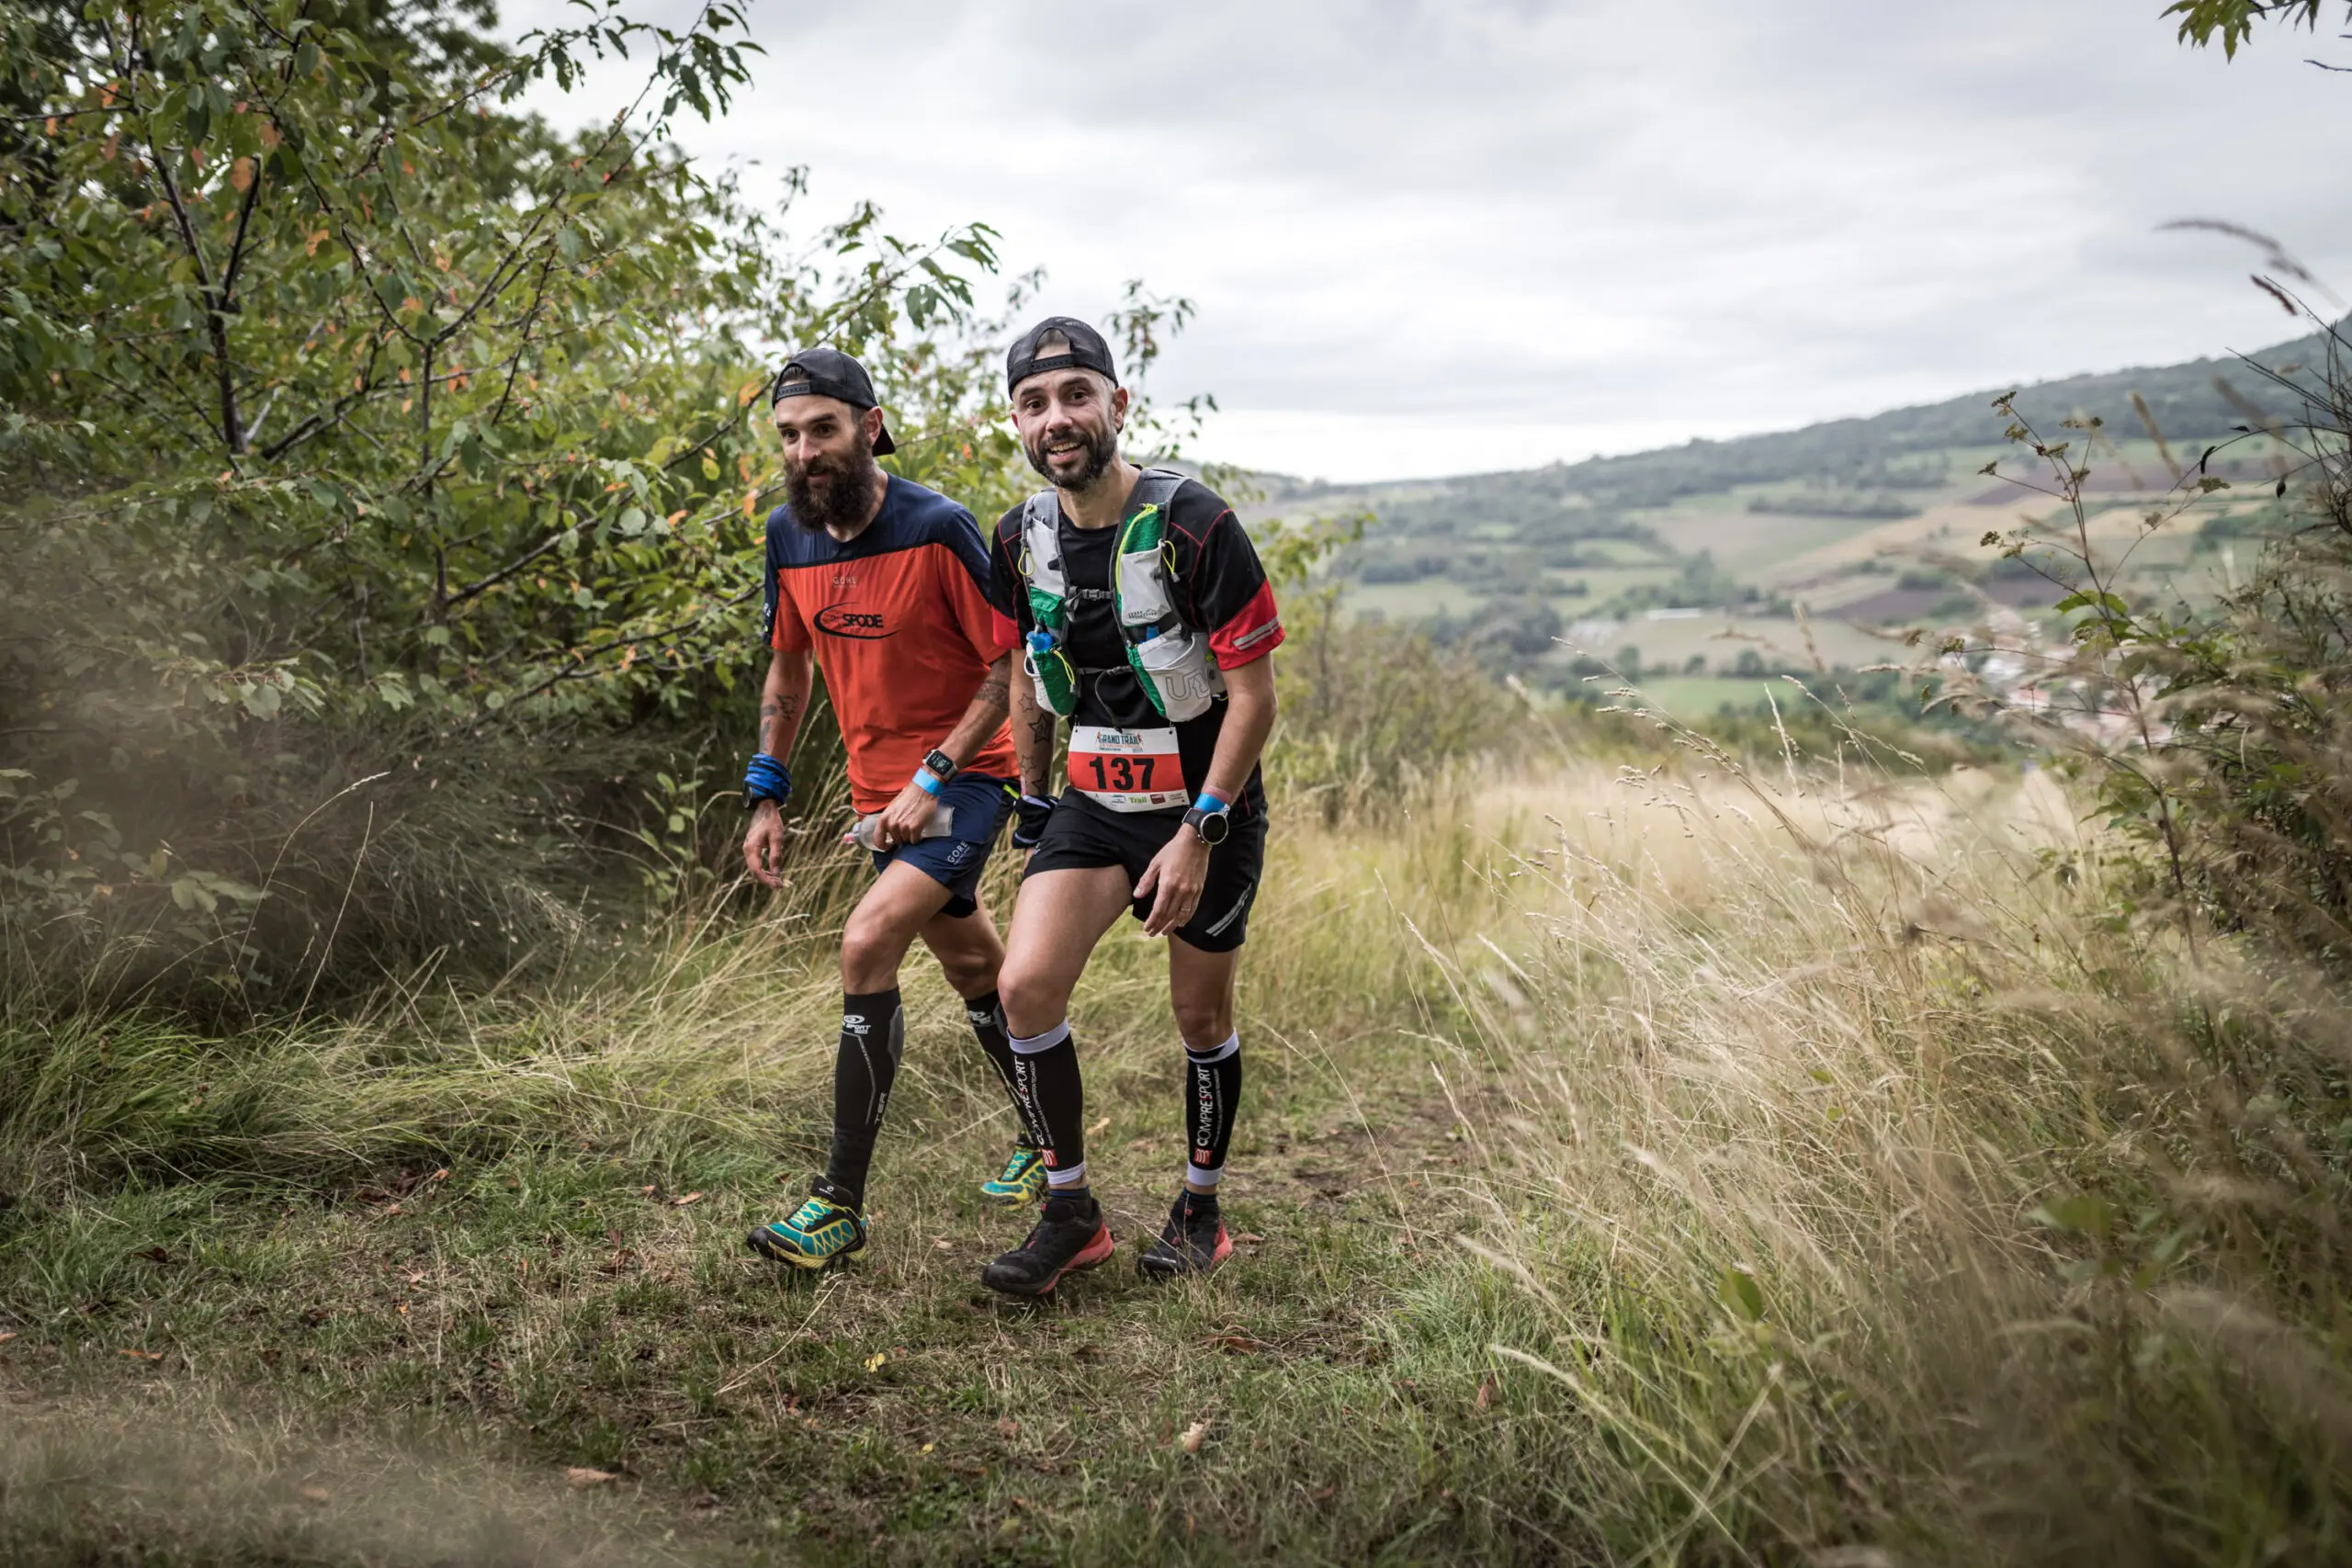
[821,1231]
[1022,1182]
[1194,1243]
[1070,1234]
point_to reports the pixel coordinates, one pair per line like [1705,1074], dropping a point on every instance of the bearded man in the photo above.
[883,585]
[1148,620]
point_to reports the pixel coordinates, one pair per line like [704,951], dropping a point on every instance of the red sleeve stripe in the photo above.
[1251,635]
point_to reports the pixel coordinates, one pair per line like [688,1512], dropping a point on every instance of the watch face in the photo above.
[939,764]
[1213,826]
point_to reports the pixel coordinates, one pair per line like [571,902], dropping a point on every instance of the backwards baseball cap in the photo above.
[830,373]
[1082,348]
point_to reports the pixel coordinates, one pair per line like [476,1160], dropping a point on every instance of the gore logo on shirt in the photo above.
[842,621]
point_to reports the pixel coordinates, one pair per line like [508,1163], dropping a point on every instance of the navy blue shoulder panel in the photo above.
[912,515]
[917,515]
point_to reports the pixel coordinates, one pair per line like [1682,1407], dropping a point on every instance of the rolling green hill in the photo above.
[2202,400]
[1806,549]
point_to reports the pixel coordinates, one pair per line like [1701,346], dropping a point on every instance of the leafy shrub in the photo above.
[1371,713]
[2218,738]
[381,475]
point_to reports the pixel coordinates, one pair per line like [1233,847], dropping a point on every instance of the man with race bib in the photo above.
[1145,620]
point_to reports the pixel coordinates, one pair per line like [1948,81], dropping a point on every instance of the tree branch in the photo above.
[217,323]
[578,670]
[521,563]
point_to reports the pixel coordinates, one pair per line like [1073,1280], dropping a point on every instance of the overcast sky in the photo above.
[1439,238]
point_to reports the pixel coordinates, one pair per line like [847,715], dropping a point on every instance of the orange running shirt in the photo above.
[899,621]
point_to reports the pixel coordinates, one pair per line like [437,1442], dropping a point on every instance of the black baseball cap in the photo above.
[830,373]
[1087,351]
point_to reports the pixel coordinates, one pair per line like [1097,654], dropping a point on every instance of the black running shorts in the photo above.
[1082,834]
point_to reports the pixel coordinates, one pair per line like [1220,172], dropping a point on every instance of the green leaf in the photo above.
[2084,1213]
[1740,1295]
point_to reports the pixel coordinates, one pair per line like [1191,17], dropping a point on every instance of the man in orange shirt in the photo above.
[884,584]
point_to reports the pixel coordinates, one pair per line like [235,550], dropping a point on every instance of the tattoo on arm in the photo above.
[1041,750]
[996,692]
[775,714]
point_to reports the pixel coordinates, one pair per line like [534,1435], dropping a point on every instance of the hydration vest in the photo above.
[1171,659]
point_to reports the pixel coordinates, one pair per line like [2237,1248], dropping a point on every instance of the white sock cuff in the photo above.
[1217,1052]
[1074,1177]
[1200,1177]
[1030,1045]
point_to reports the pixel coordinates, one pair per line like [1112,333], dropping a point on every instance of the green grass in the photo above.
[354,1229]
[1419,601]
[1654,1164]
[892,1406]
[1751,545]
[1697,697]
[1779,640]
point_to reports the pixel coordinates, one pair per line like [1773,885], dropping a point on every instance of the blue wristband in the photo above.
[1210,804]
[766,779]
[930,783]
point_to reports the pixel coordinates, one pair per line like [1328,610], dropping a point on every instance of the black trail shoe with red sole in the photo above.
[1194,1243]
[1070,1234]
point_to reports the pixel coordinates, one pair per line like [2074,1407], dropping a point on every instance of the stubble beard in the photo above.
[834,493]
[1101,451]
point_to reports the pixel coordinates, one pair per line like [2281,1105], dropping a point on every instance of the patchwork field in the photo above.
[1802,573]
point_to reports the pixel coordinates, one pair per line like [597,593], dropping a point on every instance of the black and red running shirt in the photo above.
[901,624]
[1220,588]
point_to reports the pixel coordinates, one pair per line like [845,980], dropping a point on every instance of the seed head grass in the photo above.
[1667,1165]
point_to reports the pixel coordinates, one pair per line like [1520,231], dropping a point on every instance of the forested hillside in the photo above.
[2202,401]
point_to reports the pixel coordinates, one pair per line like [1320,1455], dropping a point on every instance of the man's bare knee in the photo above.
[1203,1024]
[870,954]
[970,977]
[1034,1002]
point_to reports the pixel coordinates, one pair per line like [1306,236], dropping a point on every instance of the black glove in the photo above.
[1030,814]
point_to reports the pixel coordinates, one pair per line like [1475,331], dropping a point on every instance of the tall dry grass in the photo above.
[1893,1196]
[1879,1189]
[687,1028]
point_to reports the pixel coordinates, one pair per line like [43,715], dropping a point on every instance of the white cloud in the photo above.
[1440,237]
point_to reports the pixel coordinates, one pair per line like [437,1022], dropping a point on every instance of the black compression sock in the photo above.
[873,1034]
[1046,1071]
[1212,1091]
[986,1014]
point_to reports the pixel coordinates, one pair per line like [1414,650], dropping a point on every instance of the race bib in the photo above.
[1127,770]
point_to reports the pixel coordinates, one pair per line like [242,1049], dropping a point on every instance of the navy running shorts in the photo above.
[1082,834]
[956,860]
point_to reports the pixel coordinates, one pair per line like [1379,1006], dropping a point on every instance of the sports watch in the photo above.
[939,765]
[1211,819]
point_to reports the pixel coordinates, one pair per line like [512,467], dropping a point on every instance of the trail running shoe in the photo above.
[821,1231]
[1070,1234]
[1022,1182]
[1194,1243]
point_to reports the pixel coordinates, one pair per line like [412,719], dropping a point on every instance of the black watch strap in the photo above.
[1212,826]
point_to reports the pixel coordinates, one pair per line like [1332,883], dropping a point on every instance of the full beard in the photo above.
[834,493]
[1102,450]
